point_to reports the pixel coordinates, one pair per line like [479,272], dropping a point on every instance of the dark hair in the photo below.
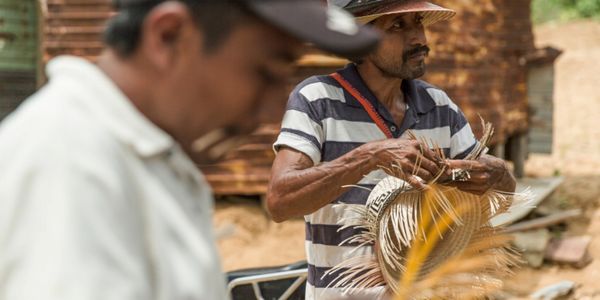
[216,19]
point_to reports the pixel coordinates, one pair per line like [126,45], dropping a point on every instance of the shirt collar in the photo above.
[414,89]
[106,102]
[417,96]
[350,73]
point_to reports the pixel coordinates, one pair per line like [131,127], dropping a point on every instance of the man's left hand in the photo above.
[488,172]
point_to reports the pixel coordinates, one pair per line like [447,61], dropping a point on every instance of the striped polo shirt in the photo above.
[324,122]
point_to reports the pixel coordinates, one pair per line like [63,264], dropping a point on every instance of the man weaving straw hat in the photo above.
[350,127]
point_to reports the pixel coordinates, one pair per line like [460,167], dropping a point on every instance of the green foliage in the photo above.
[564,10]
[588,8]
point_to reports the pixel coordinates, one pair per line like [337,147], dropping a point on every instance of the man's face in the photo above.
[403,49]
[226,88]
[250,70]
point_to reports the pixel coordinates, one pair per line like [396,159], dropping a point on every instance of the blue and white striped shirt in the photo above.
[325,122]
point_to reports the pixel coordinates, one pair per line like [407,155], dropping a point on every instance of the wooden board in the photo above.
[540,188]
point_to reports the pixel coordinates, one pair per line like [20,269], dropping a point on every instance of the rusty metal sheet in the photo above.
[75,27]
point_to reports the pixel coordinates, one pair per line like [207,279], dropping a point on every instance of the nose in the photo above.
[417,35]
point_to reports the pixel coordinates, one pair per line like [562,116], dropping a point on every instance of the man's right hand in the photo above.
[404,158]
[299,188]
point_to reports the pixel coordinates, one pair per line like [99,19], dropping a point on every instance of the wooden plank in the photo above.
[544,221]
[540,189]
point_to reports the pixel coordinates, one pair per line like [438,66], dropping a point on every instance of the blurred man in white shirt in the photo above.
[98,196]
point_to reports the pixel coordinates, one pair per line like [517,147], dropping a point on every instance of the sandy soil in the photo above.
[251,240]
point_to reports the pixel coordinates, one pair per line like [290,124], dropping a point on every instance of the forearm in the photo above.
[296,193]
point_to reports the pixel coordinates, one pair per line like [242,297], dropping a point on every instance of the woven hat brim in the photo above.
[431,13]
[453,242]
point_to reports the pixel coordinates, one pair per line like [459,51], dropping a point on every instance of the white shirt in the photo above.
[96,202]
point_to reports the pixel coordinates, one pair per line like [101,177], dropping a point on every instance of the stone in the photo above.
[554,291]
[570,250]
[533,245]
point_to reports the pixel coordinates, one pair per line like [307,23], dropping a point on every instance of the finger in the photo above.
[427,158]
[476,178]
[415,183]
[430,165]
[409,168]
[469,165]
[424,174]
[446,177]
[430,154]
[480,178]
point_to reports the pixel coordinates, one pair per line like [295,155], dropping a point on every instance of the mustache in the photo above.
[416,50]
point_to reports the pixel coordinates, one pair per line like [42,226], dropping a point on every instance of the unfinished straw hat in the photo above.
[396,217]
[366,11]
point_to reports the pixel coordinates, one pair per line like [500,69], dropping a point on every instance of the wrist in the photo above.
[506,181]
[369,156]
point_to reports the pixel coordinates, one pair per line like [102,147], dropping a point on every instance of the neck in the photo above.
[388,90]
[134,79]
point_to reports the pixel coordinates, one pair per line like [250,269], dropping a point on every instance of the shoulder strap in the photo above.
[365,104]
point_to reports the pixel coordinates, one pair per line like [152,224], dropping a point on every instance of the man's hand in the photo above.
[404,158]
[486,173]
[298,187]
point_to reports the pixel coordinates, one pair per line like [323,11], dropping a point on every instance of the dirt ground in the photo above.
[251,240]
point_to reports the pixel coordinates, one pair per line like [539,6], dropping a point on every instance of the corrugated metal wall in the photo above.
[18,52]
[540,89]
[75,27]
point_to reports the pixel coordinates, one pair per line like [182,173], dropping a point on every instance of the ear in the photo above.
[164,30]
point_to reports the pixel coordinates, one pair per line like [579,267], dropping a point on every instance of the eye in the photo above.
[419,19]
[399,24]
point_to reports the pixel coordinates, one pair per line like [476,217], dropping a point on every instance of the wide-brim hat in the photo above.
[397,212]
[367,11]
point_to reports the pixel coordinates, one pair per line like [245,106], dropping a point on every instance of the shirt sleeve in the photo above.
[301,128]
[69,232]
[462,141]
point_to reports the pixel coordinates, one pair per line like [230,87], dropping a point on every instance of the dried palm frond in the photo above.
[421,236]
[474,273]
